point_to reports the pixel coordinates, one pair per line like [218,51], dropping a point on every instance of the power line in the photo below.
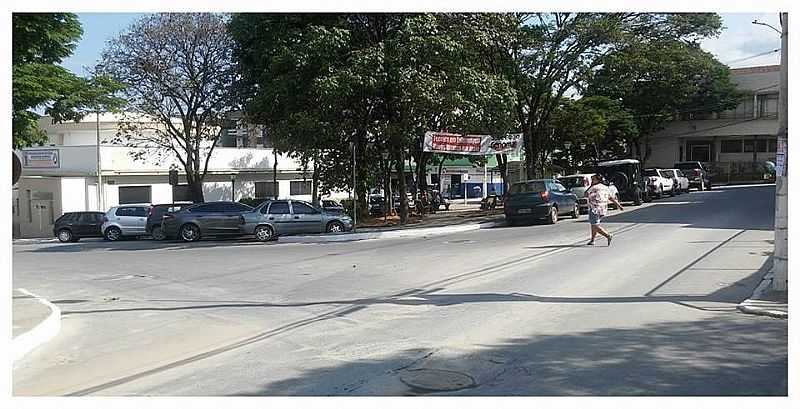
[753,56]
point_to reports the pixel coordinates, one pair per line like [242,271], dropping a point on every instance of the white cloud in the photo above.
[742,39]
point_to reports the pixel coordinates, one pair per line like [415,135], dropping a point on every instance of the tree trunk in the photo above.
[196,189]
[400,165]
[315,182]
[502,163]
[439,173]
[387,188]
[276,194]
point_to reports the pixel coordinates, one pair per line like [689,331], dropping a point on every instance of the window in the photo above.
[772,146]
[88,218]
[266,189]
[761,145]
[235,208]
[279,208]
[68,217]
[743,111]
[134,194]
[300,187]
[205,208]
[733,146]
[302,208]
[181,193]
[132,211]
[768,106]
[750,146]
[527,187]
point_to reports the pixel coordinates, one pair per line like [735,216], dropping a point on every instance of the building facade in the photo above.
[62,175]
[734,143]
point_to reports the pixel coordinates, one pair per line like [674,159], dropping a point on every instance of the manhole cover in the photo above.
[437,380]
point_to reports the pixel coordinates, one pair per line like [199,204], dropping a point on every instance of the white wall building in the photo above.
[731,142]
[61,176]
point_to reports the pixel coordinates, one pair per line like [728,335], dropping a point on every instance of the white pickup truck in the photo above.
[659,183]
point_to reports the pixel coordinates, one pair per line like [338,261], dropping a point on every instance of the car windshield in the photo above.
[527,187]
[687,166]
[667,173]
[650,172]
[570,182]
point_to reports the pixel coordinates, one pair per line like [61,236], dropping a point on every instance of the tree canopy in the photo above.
[41,41]
[179,73]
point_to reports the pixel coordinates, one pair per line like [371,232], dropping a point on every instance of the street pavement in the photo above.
[524,310]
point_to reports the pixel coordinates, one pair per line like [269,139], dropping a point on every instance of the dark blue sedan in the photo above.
[539,199]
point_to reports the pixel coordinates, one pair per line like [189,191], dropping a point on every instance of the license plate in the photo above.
[524,211]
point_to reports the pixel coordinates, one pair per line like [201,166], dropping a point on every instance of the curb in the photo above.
[430,231]
[41,333]
[755,306]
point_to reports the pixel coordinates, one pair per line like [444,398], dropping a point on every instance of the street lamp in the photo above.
[767,25]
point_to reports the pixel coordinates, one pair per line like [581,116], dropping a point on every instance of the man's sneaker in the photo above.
[590,243]
[609,239]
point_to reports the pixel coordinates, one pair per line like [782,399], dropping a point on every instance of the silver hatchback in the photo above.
[284,217]
[121,221]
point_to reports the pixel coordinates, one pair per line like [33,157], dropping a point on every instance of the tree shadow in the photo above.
[721,208]
[716,356]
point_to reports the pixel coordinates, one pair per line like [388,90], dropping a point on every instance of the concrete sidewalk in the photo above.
[34,322]
[765,301]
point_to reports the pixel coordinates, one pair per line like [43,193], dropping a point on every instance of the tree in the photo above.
[179,74]
[546,55]
[657,81]
[369,82]
[590,126]
[40,42]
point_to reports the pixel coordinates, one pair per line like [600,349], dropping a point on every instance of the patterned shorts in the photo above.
[594,218]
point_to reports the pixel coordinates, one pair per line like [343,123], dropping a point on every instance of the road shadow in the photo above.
[718,356]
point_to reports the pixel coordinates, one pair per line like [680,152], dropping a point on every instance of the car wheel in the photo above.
[265,233]
[575,212]
[334,227]
[113,233]
[157,233]
[189,232]
[553,217]
[64,236]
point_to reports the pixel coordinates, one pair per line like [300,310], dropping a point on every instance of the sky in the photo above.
[738,42]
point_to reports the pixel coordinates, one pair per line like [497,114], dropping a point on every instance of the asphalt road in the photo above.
[522,310]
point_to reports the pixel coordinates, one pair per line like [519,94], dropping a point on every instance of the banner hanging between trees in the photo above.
[443,142]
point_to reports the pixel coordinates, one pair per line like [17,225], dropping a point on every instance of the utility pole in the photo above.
[781,254]
[100,205]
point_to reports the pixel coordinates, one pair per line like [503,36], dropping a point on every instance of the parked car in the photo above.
[680,181]
[283,217]
[659,183]
[539,199]
[579,183]
[205,219]
[125,221]
[698,174]
[627,177]
[73,226]
[156,213]
[332,206]
[376,205]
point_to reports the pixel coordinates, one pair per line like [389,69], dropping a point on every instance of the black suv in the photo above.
[627,177]
[699,176]
[73,226]
[156,213]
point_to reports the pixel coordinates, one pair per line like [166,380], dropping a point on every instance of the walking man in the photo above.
[598,196]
